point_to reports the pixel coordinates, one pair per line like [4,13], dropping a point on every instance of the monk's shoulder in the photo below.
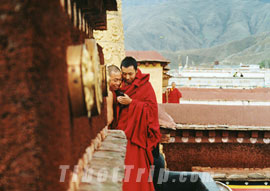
[147,89]
[147,85]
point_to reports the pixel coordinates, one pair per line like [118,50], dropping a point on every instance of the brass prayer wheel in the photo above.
[75,87]
[91,46]
[86,79]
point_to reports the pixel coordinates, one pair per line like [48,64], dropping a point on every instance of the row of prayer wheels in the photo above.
[87,82]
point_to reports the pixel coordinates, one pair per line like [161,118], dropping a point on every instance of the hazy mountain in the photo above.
[250,50]
[174,25]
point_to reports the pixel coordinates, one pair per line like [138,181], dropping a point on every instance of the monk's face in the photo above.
[128,74]
[115,81]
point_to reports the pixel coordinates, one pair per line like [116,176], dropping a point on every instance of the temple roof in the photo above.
[257,94]
[199,114]
[147,56]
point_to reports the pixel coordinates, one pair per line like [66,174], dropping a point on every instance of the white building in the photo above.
[242,77]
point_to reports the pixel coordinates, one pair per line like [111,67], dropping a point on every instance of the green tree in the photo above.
[264,64]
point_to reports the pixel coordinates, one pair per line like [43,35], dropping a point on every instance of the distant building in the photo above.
[241,77]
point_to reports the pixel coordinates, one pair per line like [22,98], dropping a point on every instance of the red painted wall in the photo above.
[181,157]
[37,133]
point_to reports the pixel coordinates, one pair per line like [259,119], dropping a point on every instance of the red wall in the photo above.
[181,157]
[37,132]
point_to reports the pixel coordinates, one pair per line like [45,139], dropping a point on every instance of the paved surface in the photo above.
[106,169]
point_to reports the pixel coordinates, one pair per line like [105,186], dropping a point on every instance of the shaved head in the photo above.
[113,68]
[115,77]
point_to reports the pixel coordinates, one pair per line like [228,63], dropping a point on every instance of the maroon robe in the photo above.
[139,121]
[174,96]
[114,122]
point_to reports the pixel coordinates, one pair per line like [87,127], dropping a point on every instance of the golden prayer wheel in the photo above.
[86,79]
[91,46]
[75,85]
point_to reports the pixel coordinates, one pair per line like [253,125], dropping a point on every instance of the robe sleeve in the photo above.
[143,127]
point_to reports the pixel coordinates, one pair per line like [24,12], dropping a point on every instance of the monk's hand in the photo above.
[124,100]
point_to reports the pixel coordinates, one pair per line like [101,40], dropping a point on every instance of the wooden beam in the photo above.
[111,5]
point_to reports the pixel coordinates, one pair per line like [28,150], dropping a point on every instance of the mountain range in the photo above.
[250,50]
[207,30]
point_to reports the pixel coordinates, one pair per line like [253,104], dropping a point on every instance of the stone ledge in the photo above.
[102,165]
[107,164]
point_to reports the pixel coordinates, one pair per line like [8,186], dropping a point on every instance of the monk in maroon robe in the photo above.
[115,79]
[138,118]
[174,94]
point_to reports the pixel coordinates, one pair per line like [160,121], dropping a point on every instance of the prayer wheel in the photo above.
[86,79]
[75,84]
[91,46]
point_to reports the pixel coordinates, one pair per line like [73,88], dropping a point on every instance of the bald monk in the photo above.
[174,94]
[115,80]
[138,118]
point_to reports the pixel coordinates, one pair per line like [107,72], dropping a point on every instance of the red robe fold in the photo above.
[174,96]
[139,121]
